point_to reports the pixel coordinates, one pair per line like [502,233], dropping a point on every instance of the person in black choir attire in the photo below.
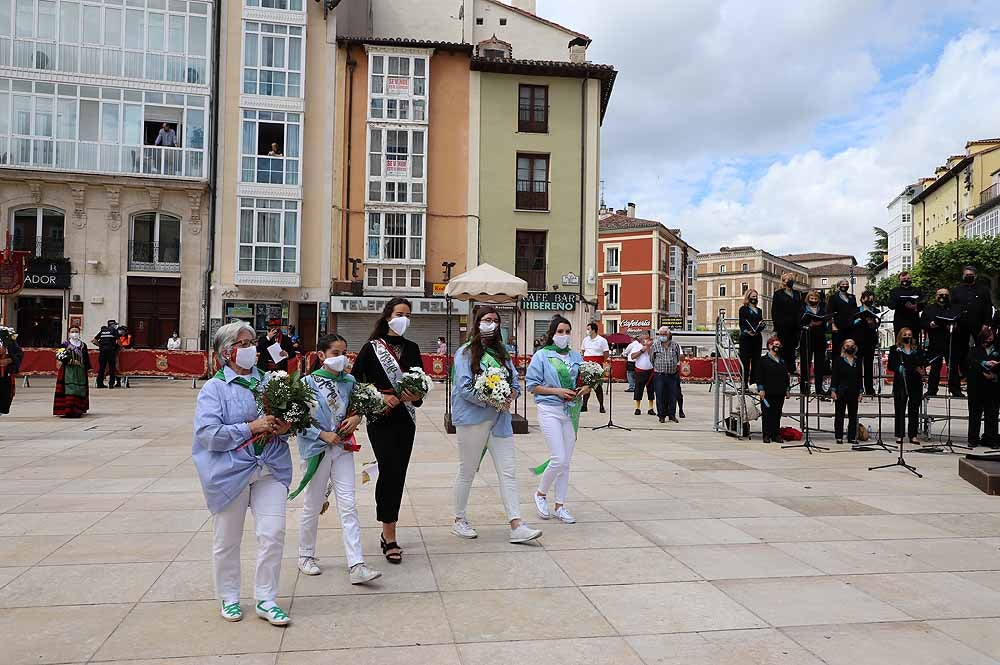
[865,334]
[813,344]
[382,362]
[845,388]
[907,362]
[938,320]
[842,306]
[984,390]
[772,386]
[975,310]
[786,314]
[904,301]
[750,335]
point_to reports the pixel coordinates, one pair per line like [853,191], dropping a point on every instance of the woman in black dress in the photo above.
[381,362]
[845,388]
[983,382]
[772,386]
[750,338]
[907,362]
[813,342]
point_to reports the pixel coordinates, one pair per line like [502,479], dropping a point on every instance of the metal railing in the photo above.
[155,256]
[103,61]
[46,248]
[532,195]
[989,194]
[96,157]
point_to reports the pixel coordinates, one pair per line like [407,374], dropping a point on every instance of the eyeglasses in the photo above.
[245,344]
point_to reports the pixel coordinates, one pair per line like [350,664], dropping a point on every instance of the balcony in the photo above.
[532,195]
[154,256]
[93,157]
[271,170]
[990,194]
[46,248]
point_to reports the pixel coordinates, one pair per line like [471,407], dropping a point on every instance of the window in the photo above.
[110,130]
[271,147]
[676,261]
[503,21]
[533,109]
[294,5]
[744,287]
[529,258]
[722,268]
[398,88]
[611,299]
[167,42]
[394,236]
[722,290]
[674,300]
[155,243]
[532,182]
[39,231]
[396,165]
[611,263]
[746,267]
[272,59]
[395,278]
[480,21]
[824,281]
[269,236]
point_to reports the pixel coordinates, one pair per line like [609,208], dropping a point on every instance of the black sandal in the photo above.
[391,557]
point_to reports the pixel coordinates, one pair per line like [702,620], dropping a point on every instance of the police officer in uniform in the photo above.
[107,344]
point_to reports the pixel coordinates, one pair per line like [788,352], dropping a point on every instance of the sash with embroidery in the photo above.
[326,382]
[390,365]
[572,407]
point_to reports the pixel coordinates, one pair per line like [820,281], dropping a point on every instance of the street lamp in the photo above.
[354,266]
[447,265]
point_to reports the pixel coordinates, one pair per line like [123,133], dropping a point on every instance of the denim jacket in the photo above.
[542,373]
[329,420]
[466,409]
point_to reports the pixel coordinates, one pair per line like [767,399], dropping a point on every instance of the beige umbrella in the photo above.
[486,283]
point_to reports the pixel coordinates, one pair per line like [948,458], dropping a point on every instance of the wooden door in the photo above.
[154,310]
[307,326]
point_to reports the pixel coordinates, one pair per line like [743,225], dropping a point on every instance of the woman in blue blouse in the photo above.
[552,378]
[237,474]
[481,427]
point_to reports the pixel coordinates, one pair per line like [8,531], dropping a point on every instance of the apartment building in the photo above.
[900,229]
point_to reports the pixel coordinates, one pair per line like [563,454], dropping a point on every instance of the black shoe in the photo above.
[957,393]
[974,443]
[840,442]
[681,414]
[638,412]
[583,410]
[663,420]
[674,420]
[931,393]
[778,439]
[651,413]
[602,410]
[767,439]
[100,385]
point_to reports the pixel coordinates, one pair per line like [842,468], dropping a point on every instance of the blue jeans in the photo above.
[666,387]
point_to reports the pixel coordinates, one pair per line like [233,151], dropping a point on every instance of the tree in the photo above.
[882,288]
[881,248]
[941,265]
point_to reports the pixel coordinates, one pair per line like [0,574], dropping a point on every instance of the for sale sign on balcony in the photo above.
[398,85]
[397,167]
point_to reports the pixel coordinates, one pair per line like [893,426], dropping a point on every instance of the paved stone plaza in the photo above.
[691,549]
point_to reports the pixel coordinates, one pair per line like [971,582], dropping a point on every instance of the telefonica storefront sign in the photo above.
[363,304]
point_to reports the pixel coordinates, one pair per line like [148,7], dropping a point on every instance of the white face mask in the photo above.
[561,341]
[336,364]
[246,357]
[399,324]
[487,328]
[74,336]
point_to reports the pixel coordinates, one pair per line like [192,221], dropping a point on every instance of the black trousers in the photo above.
[866,356]
[938,353]
[667,387]
[643,382]
[392,443]
[789,345]
[599,392]
[848,404]
[750,349]
[771,414]
[906,396]
[107,364]
[984,409]
[6,393]
[962,340]
[813,348]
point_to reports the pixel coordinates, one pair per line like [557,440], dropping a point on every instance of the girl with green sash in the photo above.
[552,379]
[72,398]
[481,427]
[328,461]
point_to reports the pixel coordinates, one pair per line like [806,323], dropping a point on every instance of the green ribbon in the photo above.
[251,385]
[314,461]
[326,374]
[565,381]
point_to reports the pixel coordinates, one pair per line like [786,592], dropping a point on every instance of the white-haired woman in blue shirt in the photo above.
[237,474]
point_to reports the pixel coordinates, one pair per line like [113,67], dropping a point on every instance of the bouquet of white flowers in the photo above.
[493,388]
[591,374]
[416,381]
[287,398]
[366,401]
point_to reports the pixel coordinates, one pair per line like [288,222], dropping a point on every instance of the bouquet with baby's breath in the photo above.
[287,398]
[591,374]
[416,381]
[366,401]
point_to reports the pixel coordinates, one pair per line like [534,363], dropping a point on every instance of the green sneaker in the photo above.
[274,615]
[232,611]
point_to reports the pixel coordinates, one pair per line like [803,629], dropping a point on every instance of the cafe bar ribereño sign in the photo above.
[549,300]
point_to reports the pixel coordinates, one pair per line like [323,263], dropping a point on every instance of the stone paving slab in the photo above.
[691,549]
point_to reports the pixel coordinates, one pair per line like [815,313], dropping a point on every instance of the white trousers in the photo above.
[337,465]
[265,497]
[471,441]
[557,427]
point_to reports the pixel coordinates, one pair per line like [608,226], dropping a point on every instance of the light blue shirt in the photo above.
[542,373]
[329,419]
[466,409]
[221,418]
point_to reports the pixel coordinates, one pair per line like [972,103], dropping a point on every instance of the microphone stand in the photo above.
[805,342]
[900,461]
[611,422]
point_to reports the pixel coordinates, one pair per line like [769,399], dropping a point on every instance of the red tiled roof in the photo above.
[518,10]
[620,222]
[814,256]
[834,270]
[981,141]
[405,41]
[606,74]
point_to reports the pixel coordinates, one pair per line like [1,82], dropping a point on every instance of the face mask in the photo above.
[849,350]
[906,283]
[969,279]
[246,357]
[790,283]
[399,324]
[753,301]
[907,340]
[843,289]
[336,364]
[775,350]
[561,341]
[663,338]
[74,336]
[487,329]
[942,298]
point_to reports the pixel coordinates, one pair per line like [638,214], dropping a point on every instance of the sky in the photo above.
[787,125]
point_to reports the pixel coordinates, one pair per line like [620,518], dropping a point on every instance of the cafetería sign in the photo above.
[549,300]
[635,323]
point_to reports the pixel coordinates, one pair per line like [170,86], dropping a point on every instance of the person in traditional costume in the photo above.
[382,361]
[72,398]
[243,462]
[10,364]
[552,378]
[327,452]
[482,427]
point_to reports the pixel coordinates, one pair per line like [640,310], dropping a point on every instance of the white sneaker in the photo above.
[309,565]
[542,506]
[274,615]
[463,529]
[564,515]
[524,534]
[232,611]
[362,574]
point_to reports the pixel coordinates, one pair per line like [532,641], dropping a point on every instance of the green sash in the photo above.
[314,461]
[565,381]
[489,360]
[75,380]
[251,385]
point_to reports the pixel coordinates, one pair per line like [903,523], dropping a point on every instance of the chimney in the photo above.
[631,209]
[526,5]
[578,53]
